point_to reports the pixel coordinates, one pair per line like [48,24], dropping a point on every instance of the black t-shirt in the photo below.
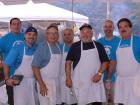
[74,53]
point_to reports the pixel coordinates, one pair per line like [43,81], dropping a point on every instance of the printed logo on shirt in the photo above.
[18,42]
[108,50]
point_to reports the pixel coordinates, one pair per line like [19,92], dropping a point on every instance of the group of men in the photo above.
[86,72]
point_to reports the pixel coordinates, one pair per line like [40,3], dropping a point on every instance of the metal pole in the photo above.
[108,9]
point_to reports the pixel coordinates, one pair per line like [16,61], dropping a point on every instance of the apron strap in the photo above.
[82,45]
[63,48]
[131,42]
[51,49]
[58,48]
[24,51]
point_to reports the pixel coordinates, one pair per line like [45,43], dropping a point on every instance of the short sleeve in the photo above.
[70,55]
[38,56]
[12,56]
[1,45]
[102,53]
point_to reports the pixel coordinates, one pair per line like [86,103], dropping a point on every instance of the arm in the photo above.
[68,73]
[111,67]
[97,77]
[9,61]
[36,65]
[43,88]
[6,71]
[104,62]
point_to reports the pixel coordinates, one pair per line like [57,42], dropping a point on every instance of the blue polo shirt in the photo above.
[8,41]
[15,56]
[42,55]
[136,46]
[110,47]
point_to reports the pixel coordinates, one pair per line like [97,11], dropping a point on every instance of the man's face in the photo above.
[68,36]
[86,34]
[124,29]
[15,26]
[30,37]
[108,28]
[52,35]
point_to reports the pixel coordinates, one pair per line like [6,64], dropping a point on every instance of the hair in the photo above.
[109,21]
[124,20]
[68,29]
[14,19]
[52,26]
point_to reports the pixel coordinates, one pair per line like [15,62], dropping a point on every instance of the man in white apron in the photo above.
[21,57]
[110,43]
[92,61]
[66,93]
[128,64]
[46,66]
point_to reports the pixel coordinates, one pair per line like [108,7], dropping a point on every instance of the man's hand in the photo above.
[43,90]
[96,78]
[68,82]
[10,82]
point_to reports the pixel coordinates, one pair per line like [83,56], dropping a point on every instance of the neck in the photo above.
[52,43]
[15,33]
[29,45]
[68,43]
[127,37]
[109,37]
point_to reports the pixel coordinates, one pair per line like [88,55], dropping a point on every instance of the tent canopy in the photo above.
[13,2]
[39,11]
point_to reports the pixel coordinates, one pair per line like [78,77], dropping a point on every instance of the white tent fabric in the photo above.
[40,11]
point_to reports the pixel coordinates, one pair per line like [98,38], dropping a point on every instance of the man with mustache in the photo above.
[128,64]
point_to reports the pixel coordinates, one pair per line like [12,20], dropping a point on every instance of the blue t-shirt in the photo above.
[110,47]
[8,41]
[42,55]
[66,49]
[136,46]
[14,58]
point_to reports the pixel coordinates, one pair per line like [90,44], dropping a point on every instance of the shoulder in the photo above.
[19,46]
[136,38]
[5,36]
[76,44]
[98,44]
[117,38]
[42,48]
[101,39]
[42,44]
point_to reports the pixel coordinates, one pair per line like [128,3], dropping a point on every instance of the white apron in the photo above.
[3,95]
[127,68]
[86,90]
[66,95]
[25,93]
[50,75]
